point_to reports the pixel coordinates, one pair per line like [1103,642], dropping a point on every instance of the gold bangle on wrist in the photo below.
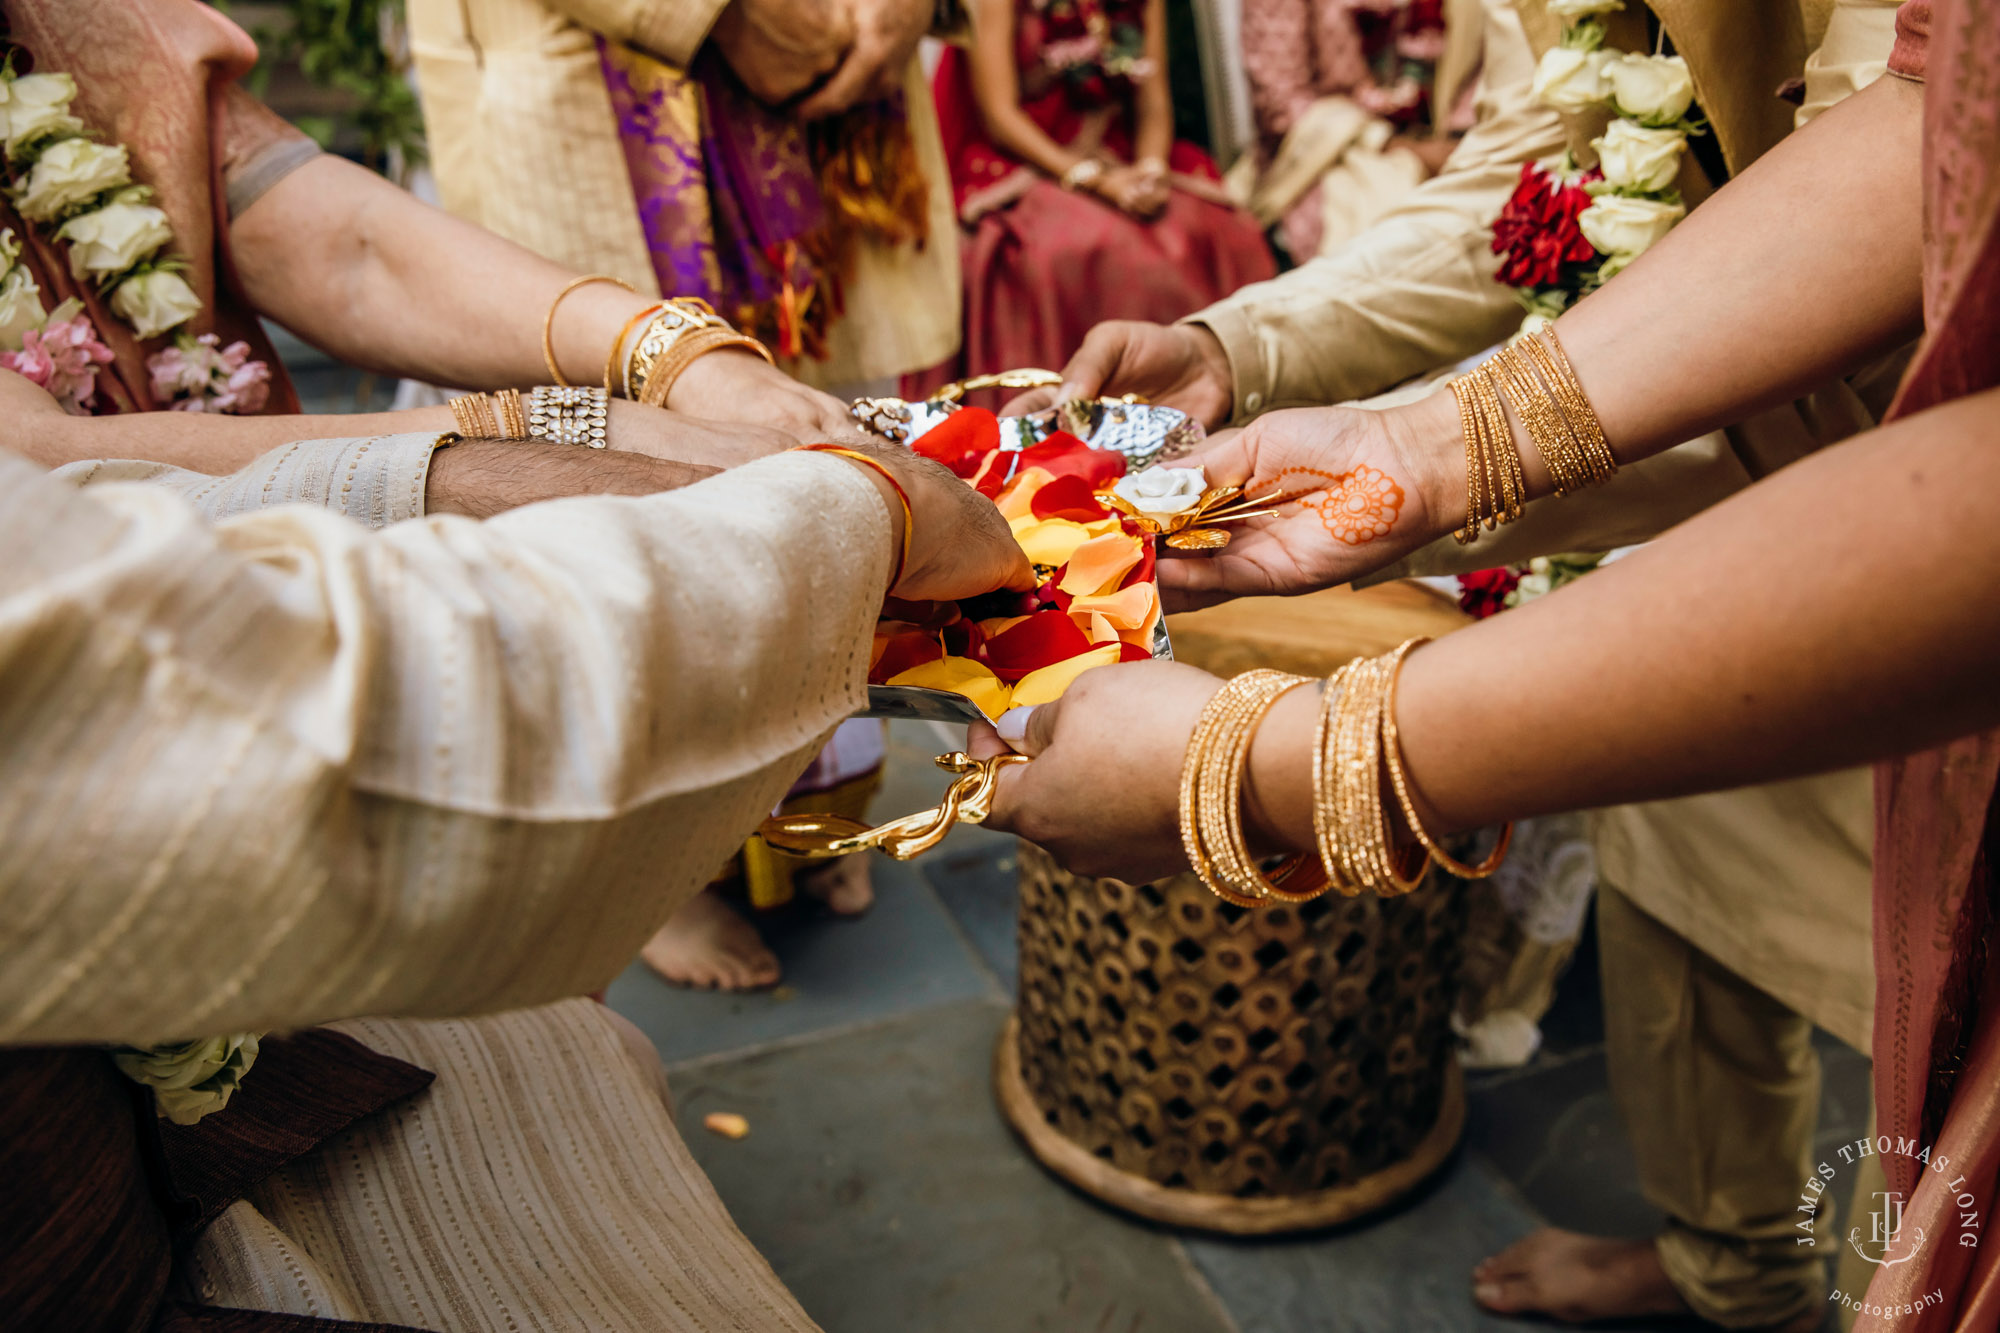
[1534,374]
[569,414]
[1392,754]
[1212,778]
[616,358]
[513,416]
[685,351]
[549,320]
[474,414]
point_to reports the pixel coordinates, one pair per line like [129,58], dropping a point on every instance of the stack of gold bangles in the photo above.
[1354,746]
[558,414]
[655,347]
[1535,376]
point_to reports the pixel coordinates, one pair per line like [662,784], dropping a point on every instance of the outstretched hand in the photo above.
[1361,501]
[1103,793]
[1174,365]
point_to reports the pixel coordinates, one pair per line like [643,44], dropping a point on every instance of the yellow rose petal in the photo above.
[1046,685]
[1050,541]
[961,676]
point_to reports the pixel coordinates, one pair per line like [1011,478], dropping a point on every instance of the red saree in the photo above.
[1042,264]
[1937,1009]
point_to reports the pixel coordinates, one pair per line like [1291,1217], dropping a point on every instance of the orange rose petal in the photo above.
[1046,685]
[1102,630]
[1018,499]
[961,676]
[1128,608]
[726,1123]
[1100,563]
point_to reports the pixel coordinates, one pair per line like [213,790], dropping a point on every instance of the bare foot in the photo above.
[708,945]
[843,885]
[1576,1278]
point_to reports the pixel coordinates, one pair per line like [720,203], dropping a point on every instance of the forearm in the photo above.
[1797,272]
[383,281]
[1153,104]
[1836,613]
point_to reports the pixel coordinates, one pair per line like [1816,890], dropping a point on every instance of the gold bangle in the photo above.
[613,359]
[513,417]
[549,320]
[684,352]
[474,414]
[909,515]
[1360,853]
[674,319]
[1392,753]
[1212,779]
[1547,351]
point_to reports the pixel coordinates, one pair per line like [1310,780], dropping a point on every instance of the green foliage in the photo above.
[339,45]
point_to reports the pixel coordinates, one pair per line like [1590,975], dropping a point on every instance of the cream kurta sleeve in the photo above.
[1416,290]
[284,770]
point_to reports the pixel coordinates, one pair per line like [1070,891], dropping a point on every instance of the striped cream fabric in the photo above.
[376,480]
[284,770]
[538,1185]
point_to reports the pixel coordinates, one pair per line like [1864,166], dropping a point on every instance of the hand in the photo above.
[1103,793]
[676,438]
[1132,190]
[886,33]
[738,385]
[780,48]
[959,544]
[1376,493]
[1175,365]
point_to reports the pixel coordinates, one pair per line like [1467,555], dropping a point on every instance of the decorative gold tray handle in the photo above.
[969,800]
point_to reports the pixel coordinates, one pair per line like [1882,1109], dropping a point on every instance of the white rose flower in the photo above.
[1162,493]
[20,307]
[191,1079]
[154,302]
[1571,80]
[36,104]
[1656,90]
[1534,324]
[1618,225]
[1637,158]
[114,238]
[69,173]
[1577,9]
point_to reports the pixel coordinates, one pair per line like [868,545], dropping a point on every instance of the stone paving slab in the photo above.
[882,1184]
[903,955]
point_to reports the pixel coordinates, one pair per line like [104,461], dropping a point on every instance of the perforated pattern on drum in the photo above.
[1247,1053]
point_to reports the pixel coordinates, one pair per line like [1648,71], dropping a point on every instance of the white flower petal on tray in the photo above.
[1163,492]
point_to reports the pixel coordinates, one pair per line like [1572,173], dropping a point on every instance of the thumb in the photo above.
[1029,730]
[1093,364]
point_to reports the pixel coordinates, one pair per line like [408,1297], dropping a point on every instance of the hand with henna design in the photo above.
[1367,495]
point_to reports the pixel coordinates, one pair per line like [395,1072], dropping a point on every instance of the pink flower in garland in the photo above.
[63,358]
[200,375]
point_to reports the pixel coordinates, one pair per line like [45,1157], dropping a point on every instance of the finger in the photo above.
[857,74]
[1038,729]
[983,740]
[1034,400]
[1191,583]
[1087,371]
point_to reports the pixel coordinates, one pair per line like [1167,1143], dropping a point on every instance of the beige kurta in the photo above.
[284,770]
[523,142]
[540,1182]
[1773,881]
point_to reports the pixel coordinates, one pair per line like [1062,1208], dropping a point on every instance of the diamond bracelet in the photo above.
[572,415]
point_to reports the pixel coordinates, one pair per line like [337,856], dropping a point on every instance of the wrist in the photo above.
[1277,784]
[1431,440]
[895,493]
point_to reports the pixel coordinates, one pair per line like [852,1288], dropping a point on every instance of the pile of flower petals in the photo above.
[1097,602]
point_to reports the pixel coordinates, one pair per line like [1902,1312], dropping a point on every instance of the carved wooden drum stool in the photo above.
[1243,1071]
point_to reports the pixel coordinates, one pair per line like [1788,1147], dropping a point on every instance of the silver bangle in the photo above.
[1082,174]
[568,415]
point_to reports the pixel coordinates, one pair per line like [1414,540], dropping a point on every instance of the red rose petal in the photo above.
[1144,571]
[1070,497]
[1043,639]
[1066,456]
[906,650]
[967,434]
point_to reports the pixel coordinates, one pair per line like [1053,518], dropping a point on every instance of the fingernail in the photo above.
[1486,1293]
[1013,724]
